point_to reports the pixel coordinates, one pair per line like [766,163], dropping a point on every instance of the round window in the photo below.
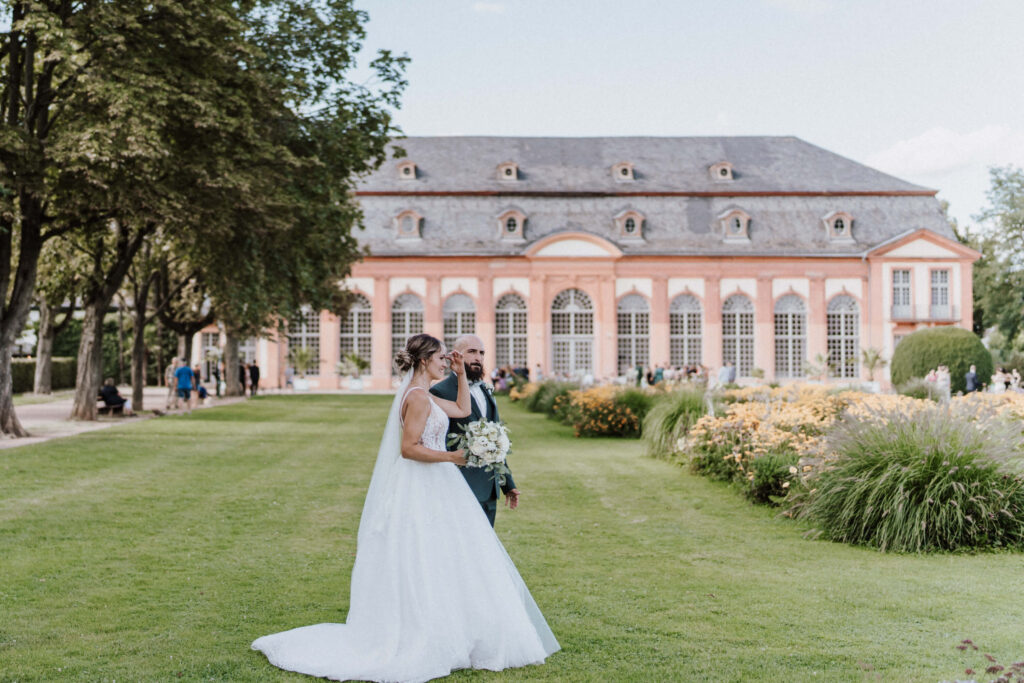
[724,172]
[511,225]
[508,171]
[630,225]
[624,171]
[407,171]
[840,226]
[737,225]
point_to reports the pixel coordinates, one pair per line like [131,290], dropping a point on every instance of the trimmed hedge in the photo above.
[23,374]
[954,347]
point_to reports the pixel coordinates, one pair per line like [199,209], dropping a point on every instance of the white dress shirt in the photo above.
[476,390]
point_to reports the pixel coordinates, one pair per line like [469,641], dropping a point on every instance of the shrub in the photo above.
[954,347]
[543,399]
[23,372]
[670,419]
[930,479]
[772,475]
[637,401]
[919,387]
[597,412]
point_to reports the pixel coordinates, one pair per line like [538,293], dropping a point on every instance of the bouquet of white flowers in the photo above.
[486,444]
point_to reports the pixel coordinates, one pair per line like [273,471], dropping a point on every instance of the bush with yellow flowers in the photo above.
[598,412]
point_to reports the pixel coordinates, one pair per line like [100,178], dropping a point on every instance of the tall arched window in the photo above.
[790,336]
[356,330]
[684,331]
[459,315]
[406,320]
[510,329]
[843,328]
[738,334]
[572,333]
[634,333]
[304,333]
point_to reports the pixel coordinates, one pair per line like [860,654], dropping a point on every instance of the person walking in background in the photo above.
[185,380]
[971,379]
[170,383]
[216,378]
[254,378]
[243,373]
[538,374]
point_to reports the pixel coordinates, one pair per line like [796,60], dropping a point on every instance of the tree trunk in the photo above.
[43,382]
[231,378]
[161,359]
[9,423]
[90,362]
[139,358]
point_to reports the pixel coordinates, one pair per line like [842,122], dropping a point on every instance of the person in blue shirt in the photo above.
[185,380]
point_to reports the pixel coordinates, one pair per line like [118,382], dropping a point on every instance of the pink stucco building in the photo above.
[591,255]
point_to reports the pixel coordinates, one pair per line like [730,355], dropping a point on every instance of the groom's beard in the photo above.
[474,372]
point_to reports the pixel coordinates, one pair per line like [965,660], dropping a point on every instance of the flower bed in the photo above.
[890,471]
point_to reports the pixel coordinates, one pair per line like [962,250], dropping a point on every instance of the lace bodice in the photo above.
[436,428]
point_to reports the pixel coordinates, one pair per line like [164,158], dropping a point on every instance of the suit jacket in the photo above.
[483,483]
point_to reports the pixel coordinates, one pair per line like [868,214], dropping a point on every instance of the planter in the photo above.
[355,383]
[300,384]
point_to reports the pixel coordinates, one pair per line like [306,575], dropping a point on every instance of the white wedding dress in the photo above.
[433,589]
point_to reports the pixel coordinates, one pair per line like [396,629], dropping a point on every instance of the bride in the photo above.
[433,589]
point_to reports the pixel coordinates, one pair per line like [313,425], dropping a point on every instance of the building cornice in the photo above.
[588,193]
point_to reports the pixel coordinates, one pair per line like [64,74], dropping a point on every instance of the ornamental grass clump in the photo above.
[543,399]
[927,480]
[670,419]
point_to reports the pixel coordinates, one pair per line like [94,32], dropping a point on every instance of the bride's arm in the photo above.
[417,408]
[460,407]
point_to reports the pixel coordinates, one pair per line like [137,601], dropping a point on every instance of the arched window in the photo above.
[738,334]
[842,322]
[790,336]
[459,315]
[304,333]
[684,331]
[510,330]
[356,330]
[634,333]
[572,333]
[406,320]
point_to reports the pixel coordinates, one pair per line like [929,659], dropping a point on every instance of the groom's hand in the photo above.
[512,499]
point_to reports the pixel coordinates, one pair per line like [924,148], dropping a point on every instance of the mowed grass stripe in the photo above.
[195,535]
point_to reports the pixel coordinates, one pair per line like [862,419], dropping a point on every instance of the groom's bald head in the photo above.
[472,349]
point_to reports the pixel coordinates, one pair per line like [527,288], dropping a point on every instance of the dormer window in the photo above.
[407,170]
[508,171]
[511,225]
[623,172]
[722,171]
[409,225]
[630,225]
[735,225]
[839,225]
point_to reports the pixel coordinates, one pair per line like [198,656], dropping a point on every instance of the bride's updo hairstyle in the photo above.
[419,348]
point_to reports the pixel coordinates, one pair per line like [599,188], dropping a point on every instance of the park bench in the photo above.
[103,409]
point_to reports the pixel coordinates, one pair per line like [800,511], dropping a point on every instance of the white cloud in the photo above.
[940,151]
[489,7]
[801,6]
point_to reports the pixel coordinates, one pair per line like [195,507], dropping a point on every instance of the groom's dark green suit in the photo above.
[482,482]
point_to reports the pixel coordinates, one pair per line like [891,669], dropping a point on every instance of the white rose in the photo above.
[477,448]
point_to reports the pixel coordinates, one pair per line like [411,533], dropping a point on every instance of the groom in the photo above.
[482,482]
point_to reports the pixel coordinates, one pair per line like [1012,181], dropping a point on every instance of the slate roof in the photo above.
[566,184]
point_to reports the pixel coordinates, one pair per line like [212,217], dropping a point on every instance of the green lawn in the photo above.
[158,550]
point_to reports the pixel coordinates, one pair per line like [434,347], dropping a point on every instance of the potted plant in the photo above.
[302,359]
[353,366]
[872,360]
[817,368]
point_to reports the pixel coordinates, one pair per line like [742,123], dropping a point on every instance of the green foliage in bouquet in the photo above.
[670,418]
[927,482]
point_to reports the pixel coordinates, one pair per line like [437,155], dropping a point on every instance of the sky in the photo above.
[931,91]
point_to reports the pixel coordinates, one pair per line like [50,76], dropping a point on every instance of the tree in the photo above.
[927,349]
[999,274]
[59,285]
